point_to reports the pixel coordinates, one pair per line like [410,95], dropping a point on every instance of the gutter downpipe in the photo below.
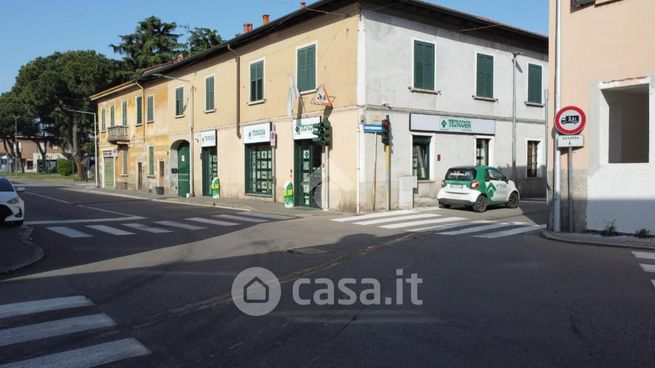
[237,59]
[558,80]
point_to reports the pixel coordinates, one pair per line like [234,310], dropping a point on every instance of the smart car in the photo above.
[477,187]
[12,207]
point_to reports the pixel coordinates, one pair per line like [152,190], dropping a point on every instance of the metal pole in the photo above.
[570,187]
[191,145]
[16,145]
[95,143]
[514,176]
[387,149]
[549,225]
[375,172]
[557,209]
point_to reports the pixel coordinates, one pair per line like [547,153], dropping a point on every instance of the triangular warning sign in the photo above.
[321,97]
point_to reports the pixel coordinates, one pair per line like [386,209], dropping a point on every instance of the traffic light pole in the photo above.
[387,149]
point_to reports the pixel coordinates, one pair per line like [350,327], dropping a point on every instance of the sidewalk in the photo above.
[16,251]
[621,241]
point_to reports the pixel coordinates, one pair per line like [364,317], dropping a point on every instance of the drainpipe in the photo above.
[237,59]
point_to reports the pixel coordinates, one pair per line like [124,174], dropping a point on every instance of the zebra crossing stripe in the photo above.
[478,229]
[265,215]
[423,222]
[179,225]
[60,327]
[212,222]
[87,357]
[242,218]
[109,230]
[373,216]
[450,226]
[647,267]
[516,231]
[44,305]
[396,219]
[69,232]
[148,229]
[644,255]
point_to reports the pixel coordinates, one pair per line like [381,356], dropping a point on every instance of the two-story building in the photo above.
[245,111]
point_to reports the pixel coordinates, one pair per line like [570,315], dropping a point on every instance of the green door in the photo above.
[109,172]
[209,169]
[183,187]
[308,179]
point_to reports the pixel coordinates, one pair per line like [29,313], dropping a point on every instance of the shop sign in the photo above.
[304,128]
[260,133]
[208,139]
[451,124]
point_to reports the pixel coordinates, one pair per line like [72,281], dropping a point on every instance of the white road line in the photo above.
[88,357]
[212,222]
[644,255]
[648,267]
[520,230]
[48,197]
[146,228]
[242,218]
[109,230]
[653,281]
[60,327]
[373,216]
[44,305]
[69,232]
[451,226]
[265,215]
[396,219]
[179,225]
[422,222]
[479,229]
[84,221]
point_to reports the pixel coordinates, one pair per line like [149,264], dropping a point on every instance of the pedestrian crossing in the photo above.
[646,257]
[441,224]
[17,330]
[130,228]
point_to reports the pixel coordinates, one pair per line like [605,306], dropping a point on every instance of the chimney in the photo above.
[302,4]
[247,27]
[266,19]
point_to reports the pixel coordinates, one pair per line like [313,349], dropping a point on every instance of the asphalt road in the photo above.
[498,296]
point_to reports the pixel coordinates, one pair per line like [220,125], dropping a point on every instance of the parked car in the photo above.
[477,187]
[12,207]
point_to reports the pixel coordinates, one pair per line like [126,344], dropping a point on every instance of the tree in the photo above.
[12,114]
[201,39]
[153,42]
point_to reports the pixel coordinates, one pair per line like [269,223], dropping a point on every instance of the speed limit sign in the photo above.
[570,120]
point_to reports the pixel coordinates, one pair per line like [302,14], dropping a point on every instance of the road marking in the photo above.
[478,229]
[520,230]
[423,222]
[48,197]
[653,281]
[644,255]
[241,218]
[69,232]
[373,216]
[451,226]
[60,327]
[84,221]
[44,305]
[265,215]
[87,357]
[212,222]
[179,225]
[109,230]
[647,267]
[396,219]
[146,228]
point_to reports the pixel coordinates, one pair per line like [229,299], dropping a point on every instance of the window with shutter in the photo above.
[209,94]
[179,101]
[424,65]
[124,113]
[150,109]
[103,119]
[307,68]
[257,81]
[112,116]
[139,110]
[151,161]
[534,84]
[485,76]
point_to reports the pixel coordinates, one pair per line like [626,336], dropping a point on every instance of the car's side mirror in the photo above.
[20,189]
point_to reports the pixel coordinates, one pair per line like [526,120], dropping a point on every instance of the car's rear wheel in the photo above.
[513,201]
[480,204]
[443,205]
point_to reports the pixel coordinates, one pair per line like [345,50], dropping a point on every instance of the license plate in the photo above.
[457,186]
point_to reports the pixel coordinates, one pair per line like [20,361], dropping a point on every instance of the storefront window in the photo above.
[259,169]
[421,157]
[482,152]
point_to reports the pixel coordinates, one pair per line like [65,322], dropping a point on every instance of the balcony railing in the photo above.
[117,133]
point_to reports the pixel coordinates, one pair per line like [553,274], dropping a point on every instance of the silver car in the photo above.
[12,207]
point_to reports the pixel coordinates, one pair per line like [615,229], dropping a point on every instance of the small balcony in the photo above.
[118,134]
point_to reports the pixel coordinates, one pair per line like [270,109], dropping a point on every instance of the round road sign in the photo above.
[570,120]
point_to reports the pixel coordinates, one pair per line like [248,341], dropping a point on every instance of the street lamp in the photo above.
[16,145]
[95,138]
[191,158]
[514,173]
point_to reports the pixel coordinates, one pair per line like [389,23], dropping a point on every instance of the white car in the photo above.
[12,207]
[477,187]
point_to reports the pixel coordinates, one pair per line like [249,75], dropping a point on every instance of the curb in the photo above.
[551,236]
[23,237]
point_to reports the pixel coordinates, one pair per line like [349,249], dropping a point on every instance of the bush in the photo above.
[643,234]
[65,167]
[610,229]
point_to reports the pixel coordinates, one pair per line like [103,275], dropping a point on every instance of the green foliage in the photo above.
[610,229]
[65,167]
[202,39]
[643,234]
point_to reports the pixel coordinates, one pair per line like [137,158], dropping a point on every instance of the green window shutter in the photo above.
[103,120]
[485,77]
[307,68]
[418,65]
[139,110]
[112,115]
[150,113]
[302,70]
[151,161]
[179,97]
[124,113]
[534,84]
[209,94]
[423,65]
[257,81]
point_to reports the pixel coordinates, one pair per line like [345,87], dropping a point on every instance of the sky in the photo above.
[32,28]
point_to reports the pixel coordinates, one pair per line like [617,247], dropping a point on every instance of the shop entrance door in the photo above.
[308,178]
[183,183]
[209,169]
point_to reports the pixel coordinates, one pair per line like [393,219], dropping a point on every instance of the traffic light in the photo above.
[323,133]
[386,132]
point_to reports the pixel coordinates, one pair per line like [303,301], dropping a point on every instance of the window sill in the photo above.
[138,125]
[150,176]
[308,92]
[260,195]
[124,175]
[150,122]
[426,91]
[179,116]
[486,99]
[533,104]
[210,111]
[258,102]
